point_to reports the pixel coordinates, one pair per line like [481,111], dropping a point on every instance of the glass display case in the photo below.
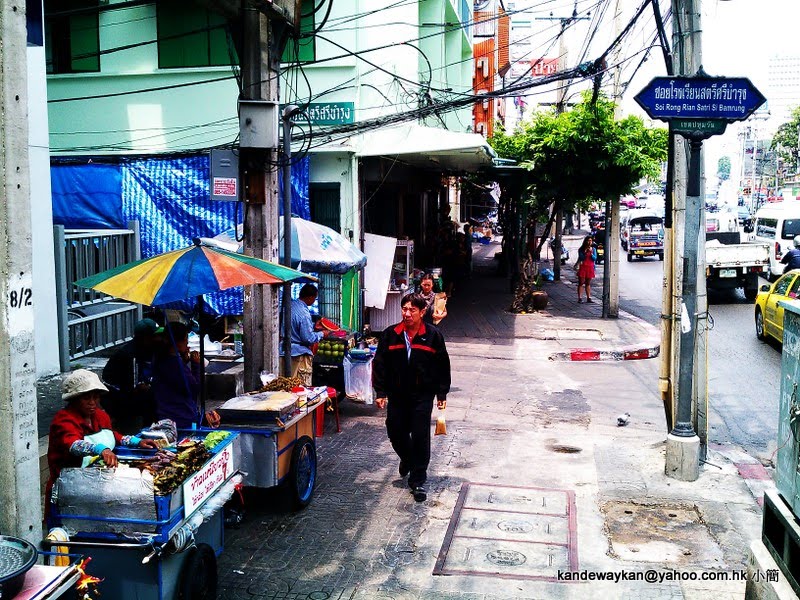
[403,266]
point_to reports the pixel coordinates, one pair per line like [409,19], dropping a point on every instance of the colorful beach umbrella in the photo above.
[188,273]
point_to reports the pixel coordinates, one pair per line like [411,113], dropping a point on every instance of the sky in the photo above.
[739,37]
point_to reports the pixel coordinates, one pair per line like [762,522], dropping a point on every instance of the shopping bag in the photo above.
[439,307]
[441,426]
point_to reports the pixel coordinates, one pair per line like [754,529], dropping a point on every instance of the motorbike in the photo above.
[599,237]
[564,251]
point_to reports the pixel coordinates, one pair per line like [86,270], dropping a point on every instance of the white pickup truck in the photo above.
[730,264]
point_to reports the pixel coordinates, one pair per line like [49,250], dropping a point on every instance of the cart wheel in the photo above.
[199,575]
[303,472]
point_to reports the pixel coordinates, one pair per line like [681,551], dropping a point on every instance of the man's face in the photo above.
[411,315]
[309,300]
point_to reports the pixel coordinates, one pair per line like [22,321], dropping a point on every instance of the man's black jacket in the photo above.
[427,372]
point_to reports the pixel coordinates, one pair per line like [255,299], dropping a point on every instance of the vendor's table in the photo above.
[271,453]
[160,548]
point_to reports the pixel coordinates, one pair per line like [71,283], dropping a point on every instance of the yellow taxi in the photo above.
[769,315]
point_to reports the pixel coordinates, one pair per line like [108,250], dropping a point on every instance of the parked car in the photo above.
[745,218]
[768,313]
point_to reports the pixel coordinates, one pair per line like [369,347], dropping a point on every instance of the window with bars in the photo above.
[72,35]
[191,36]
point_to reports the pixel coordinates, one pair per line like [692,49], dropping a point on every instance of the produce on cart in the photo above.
[153,526]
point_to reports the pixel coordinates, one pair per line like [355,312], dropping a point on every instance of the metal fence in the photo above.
[90,321]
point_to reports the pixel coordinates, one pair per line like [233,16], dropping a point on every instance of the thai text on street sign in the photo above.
[698,128]
[331,113]
[700,97]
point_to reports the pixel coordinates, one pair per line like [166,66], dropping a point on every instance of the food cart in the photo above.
[150,538]
[276,441]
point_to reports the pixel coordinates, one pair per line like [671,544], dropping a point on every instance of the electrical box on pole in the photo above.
[258,124]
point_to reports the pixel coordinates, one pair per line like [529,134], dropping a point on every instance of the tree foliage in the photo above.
[584,154]
[785,141]
[724,168]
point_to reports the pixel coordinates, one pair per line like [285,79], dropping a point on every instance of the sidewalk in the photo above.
[533,477]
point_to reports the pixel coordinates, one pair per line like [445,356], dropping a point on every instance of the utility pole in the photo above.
[260,60]
[687,374]
[611,259]
[20,496]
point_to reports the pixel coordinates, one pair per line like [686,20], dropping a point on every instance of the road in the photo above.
[744,373]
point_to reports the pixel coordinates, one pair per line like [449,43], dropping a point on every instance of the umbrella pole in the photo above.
[202,360]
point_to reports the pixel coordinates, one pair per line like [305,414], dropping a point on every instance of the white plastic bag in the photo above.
[358,379]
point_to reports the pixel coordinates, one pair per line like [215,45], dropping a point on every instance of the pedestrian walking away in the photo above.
[411,367]
[587,256]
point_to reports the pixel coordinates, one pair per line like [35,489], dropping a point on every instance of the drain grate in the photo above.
[511,533]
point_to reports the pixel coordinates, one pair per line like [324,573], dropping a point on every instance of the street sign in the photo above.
[698,128]
[700,97]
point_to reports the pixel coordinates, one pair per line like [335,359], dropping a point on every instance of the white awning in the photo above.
[427,147]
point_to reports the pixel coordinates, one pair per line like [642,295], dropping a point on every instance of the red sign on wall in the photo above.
[225,186]
[544,66]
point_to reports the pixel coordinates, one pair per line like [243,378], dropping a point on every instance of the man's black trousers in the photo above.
[408,423]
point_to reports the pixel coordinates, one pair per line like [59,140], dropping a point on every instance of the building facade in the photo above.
[131,80]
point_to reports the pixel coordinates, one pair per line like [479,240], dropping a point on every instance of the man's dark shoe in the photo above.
[404,470]
[420,495]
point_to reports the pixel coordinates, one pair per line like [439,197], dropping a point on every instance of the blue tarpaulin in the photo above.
[300,204]
[87,196]
[169,198]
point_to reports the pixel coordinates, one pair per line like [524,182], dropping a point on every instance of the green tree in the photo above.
[785,141]
[724,168]
[583,154]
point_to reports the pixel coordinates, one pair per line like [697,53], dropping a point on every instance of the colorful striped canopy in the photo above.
[187,273]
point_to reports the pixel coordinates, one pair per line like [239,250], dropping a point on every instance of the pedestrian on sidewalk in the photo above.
[411,366]
[587,255]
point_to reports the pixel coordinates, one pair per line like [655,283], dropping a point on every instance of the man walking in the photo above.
[411,366]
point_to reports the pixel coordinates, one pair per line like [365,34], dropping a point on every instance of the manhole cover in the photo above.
[506,558]
[510,532]
[659,533]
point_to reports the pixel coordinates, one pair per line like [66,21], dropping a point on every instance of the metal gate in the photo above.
[90,321]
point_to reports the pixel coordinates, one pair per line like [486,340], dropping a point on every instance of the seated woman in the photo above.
[176,384]
[83,429]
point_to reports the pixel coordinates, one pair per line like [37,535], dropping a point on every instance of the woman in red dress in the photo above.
[587,255]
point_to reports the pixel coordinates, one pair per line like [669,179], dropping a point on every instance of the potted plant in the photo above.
[529,295]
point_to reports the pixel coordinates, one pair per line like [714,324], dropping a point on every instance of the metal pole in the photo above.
[683,426]
[288,113]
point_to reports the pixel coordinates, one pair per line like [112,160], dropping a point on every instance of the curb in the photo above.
[634,352]
[757,479]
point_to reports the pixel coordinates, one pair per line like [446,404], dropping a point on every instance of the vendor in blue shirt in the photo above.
[304,337]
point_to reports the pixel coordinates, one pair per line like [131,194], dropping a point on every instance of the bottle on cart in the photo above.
[238,335]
